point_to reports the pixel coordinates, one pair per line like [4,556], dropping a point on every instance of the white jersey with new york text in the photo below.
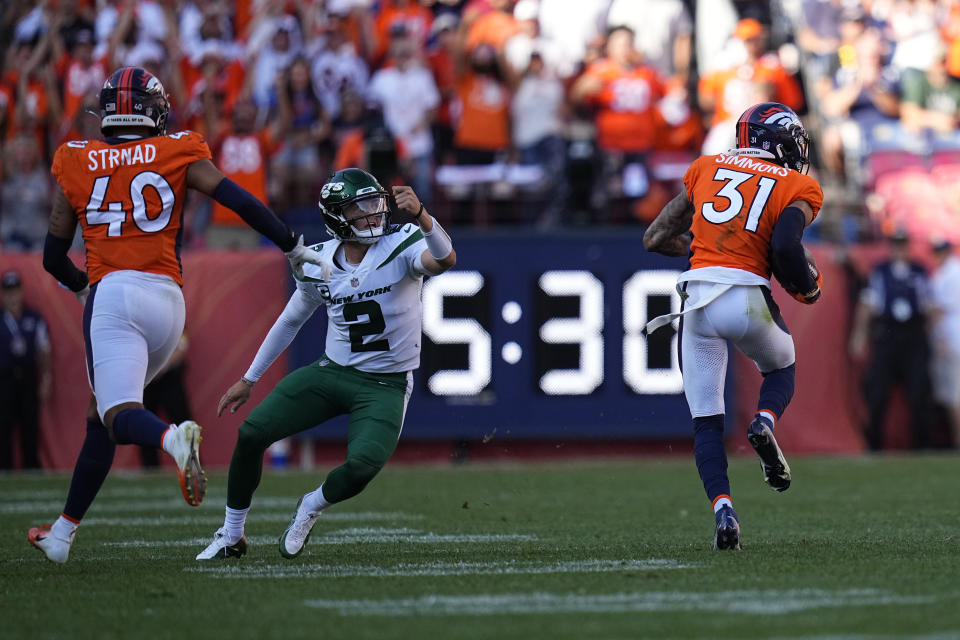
[373,309]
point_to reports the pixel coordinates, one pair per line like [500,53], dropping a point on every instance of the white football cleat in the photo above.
[294,537]
[221,548]
[55,548]
[185,449]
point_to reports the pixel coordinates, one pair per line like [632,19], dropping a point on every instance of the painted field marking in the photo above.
[284,516]
[423,569]
[349,536]
[759,602]
[943,635]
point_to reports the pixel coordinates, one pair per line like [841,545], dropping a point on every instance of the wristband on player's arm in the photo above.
[438,242]
[60,266]
[254,213]
[786,251]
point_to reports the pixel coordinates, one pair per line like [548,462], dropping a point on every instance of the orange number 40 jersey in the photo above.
[129,199]
[737,201]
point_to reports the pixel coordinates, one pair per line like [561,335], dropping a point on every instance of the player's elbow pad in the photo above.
[58,264]
[787,258]
[254,213]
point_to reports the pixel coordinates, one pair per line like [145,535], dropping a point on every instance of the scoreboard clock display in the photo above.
[539,336]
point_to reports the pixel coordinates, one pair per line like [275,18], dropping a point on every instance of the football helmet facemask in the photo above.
[772,131]
[355,207]
[133,97]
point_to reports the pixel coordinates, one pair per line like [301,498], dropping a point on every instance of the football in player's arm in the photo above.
[370,286]
[740,218]
[127,194]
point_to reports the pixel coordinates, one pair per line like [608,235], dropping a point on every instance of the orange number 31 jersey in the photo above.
[129,199]
[737,201]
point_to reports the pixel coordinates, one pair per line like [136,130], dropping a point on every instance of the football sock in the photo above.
[234,521]
[314,501]
[91,469]
[139,426]
[64,528]
[776,390]
[722,501]
[710,455]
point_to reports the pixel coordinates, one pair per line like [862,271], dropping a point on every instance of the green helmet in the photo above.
[355,207]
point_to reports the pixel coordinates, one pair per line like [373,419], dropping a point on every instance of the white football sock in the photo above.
[314,501]
[722,502]
[233,523]
[769,416]
[64,529]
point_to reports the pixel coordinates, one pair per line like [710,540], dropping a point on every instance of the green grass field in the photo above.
[857,548]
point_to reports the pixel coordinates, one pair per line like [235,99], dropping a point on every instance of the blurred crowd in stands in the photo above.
[545,113]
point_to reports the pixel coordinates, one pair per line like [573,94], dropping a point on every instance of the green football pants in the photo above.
[376,403]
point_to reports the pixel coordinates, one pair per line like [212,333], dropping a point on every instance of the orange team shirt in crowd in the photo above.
[416,17]
[733,90]
[243,158]
[627,118]
[79,82]
[737,200]
[129,199]
[493,28]
[484,106]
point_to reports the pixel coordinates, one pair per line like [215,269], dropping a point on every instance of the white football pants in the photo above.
[740,315]
[131,326]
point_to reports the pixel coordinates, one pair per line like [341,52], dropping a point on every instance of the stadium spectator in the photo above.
[492,27]
[81,76]
[538,115]
[520,47]
[727,291]
[662,33]
[407,94]
[167,395]
[819,35]
[371,382]
[370,145]
[408,16]
[482,129]
[243,154]
[916,37]
[891,319]
[275,45]
[930,100]
[25,196]
[441,59]
[336,64]
[864,96]
[25,373]
[306,125]
[757,77]
[945,331]
[578,28]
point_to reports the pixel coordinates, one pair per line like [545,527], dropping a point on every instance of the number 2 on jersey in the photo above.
[374,325]
[114,216]
[732,180]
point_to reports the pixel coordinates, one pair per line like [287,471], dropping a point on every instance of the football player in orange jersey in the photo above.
[127,194]
[740,215]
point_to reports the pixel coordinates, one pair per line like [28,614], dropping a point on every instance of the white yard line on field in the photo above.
[767,602]
[413,569]
[214,518]
[349,536]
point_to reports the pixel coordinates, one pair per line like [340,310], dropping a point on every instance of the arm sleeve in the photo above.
[281,334]
[60,266]
[786,252]
[254,213]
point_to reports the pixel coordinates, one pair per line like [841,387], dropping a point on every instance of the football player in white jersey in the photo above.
[371,290]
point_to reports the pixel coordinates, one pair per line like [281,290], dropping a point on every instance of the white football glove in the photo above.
[300,254]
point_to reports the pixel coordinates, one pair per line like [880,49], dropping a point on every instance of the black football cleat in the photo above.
[727,534]
[776,471]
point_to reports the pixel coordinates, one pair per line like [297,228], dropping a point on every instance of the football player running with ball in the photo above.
[371,290]
[127,194]
[746,211]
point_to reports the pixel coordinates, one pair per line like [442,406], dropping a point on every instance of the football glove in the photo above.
[301,254]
